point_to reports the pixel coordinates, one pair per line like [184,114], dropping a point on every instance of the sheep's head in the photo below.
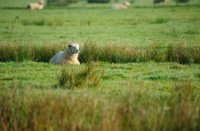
[74,48]
[126,3]
[41,2]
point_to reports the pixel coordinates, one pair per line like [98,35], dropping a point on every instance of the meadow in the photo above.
[139,67]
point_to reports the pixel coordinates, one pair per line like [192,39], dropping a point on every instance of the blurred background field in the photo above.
[139,25]
[139,66]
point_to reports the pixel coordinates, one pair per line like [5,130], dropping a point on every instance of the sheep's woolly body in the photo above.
[121,5]
[118,6]
[70,56]
[73,59]
[36,6]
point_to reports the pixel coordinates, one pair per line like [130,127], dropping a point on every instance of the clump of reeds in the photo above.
[179,53]
[121,53]
[17,52]
[11,52]
[80,76]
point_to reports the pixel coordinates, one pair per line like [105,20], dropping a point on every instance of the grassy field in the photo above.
[134,96]
[146,74]
[137,26]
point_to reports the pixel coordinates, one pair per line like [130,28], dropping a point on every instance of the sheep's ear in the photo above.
[69,45]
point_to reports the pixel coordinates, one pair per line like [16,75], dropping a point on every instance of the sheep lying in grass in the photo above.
[123,5]
[36,6]
[69,56]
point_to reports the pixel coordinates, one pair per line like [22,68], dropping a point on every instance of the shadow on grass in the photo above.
[14,8]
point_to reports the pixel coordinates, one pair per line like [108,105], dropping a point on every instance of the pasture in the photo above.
[139,67]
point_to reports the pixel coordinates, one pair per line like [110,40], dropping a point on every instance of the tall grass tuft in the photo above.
[44,53]
[136,108]
[155,53]
[119,54]
[79,76]
[11,52]
[183,113]
[90,52]
[195,54]
[110,53]
[179,53]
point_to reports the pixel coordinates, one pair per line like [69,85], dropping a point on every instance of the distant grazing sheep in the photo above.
[69,56]
[123,5]
[36,6]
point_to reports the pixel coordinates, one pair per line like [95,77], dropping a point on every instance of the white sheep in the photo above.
[123,5]
[36,6]
[69,56]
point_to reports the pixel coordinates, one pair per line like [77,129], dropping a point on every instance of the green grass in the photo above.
[166,95]
[163,73]
[146,75]
[135,26]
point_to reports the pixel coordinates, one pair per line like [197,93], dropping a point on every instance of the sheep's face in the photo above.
[126,3]
[74,48]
